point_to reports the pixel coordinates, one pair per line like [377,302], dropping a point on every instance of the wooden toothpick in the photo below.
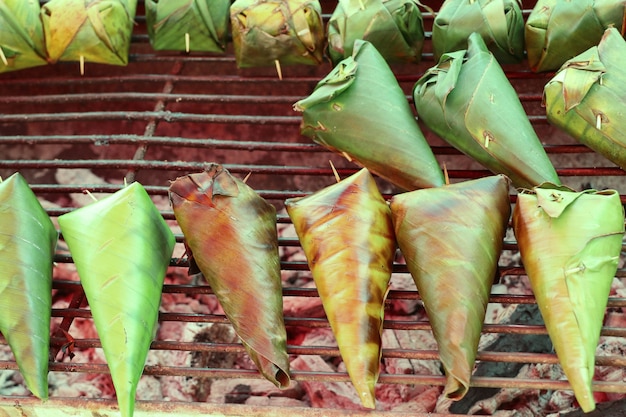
[90,195]
[246,177]
[187,42]
[81,60]
[335,173]
[278,69]
[445,174]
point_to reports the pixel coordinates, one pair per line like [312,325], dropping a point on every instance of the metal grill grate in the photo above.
[166,115]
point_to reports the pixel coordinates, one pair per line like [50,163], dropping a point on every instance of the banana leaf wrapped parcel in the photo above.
[587,98]
[269,31]
[360,111]
[557,30]
[188,25]
[231,233]
[27,244]
[499,22]
[346,232]
[467,100]
[90,30]
[121,247]
[394,27]
[451,238]
[21,35]
[570,244]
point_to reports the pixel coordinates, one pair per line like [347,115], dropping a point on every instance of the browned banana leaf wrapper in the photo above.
[451,238]
[188,25]
[557,30]
[27,243]
[394,27]
[231,232]
[21,35]
[97,30]
[347,236]
[499,22]
[287,31]
[570,244]
[359,111]
[587,98]
[467,100]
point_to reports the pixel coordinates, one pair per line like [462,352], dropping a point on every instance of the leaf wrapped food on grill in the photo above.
[359,111]
[394,27]
[96,30]
[21,35]
[188,25]
[231,232]
[347,236]
[451,239]
[570,244]
[587,98]
[467,100]
[557,30]
[27,244]
[287,31]
[121,247]
[499,22]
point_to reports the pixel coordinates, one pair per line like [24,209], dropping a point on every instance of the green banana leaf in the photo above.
[347,236]
[204,22]
[21,35]
[121,247]
[394,27]
[467,100]
[451,239]
[587,98]
[267,31]
[359,111]
[97,30]
[231,232]
[570,244]
[499,22]
[557,30]
[27,244]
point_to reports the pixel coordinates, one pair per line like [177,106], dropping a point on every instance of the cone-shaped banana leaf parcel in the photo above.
[557,30]
[188,25]
[27,244]
[347,236]
[97,30]
[21,35]
[587,97]
[121,247]
[467,100]
[570,244]
[451,239]
[394,27]
[287,31]
[359,111]
[231,232]
[499,22]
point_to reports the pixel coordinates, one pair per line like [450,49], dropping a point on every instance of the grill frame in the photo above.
[151,109]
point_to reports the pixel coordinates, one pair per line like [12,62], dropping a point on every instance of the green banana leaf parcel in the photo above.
[451,238]
[231,233]
[21,35]
[467,100]
[121,246]
[394,27]
[27,244]
[360,111]
[188,25]
[96,30]
[558,30]
[285,31]
[499,22]
[587,98]
[570,244]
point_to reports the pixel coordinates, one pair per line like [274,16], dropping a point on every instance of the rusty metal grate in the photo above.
[166,115]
